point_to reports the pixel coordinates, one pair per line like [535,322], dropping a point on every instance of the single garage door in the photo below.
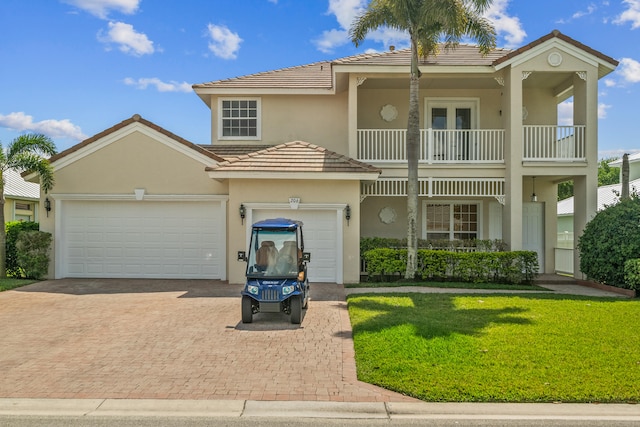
[151,239]
[320,239]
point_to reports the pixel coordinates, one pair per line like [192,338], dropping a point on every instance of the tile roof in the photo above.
[15,186]
[296,156]
[319,75]
[559,35]
[133,119]
[233,151]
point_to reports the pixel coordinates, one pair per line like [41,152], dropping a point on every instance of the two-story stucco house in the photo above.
[324,143]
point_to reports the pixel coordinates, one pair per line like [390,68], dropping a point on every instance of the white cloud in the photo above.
[602,110]
[565,113]
[631,14]
[508,27]
[579,14]
[224,43]
[629,70]
[101,8]
[345,11]
[52,128]
[128,40]
[160,86]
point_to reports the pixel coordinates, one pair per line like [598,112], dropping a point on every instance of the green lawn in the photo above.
[460,285]
[10,283]
[499,348]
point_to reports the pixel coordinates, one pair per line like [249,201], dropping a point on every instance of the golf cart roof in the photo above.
[278,223]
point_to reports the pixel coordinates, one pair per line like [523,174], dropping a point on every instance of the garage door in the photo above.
[142,239]
[320,239]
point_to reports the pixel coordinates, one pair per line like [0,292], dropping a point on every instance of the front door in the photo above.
[533,230]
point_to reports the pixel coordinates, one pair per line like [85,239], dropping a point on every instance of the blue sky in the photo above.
[72,68]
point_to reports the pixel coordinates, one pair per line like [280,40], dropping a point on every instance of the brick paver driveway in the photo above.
[168,339]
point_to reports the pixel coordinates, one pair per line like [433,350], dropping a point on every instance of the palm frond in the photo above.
[31,142]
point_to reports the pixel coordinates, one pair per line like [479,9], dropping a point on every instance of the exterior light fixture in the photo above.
[347,213]
[534,198]
[243,212]
[47,205]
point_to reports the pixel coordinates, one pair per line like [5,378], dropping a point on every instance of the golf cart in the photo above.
[276,270]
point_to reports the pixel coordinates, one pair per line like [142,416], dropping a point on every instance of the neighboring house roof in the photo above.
[635,157]
[297,157]
[16,187]
[607,195]
[136,118]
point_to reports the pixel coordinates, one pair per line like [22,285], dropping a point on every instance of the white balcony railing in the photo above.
[554,143]
[436,145]
[540,143]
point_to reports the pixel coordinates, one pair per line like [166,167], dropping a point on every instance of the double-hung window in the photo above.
[452,221]
[239,118]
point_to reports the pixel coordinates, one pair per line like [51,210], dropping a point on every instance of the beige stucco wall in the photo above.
[277,193]
[320,120]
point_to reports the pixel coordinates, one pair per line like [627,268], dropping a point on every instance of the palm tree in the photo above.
[428,22]
[28,152]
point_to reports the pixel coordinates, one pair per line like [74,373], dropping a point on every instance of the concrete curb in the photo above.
[315,409]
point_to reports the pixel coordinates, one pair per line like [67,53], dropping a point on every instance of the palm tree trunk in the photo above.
[413,153]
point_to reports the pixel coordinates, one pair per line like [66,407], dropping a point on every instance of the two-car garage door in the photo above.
[146,239]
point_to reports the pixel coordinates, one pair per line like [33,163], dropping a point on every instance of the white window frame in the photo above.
[472,103]
[258,119]
[451,203]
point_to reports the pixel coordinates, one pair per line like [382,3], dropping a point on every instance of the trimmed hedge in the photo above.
[368,243]
[32,248]
[13,229]
[515,267]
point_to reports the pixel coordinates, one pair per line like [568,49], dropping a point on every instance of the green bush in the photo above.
[368,243]
[501,267]
[609,240]
[33,253]
[632,273]
[14,228]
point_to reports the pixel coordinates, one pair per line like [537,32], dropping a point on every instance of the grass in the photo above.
[10,283]
[499,348]
[460,285]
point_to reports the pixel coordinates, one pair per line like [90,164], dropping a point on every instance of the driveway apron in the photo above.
[174,339]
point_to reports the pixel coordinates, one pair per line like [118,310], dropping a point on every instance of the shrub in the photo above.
[14,228]
[33,253]
[368,243]
[504,267]
[632,273]
[609,240]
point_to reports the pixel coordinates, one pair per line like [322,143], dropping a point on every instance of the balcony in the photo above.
[546,143]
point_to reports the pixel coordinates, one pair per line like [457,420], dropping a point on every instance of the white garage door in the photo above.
[320,239]
[142,239]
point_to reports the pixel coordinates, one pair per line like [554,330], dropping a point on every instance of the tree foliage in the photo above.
[607,175]
[26,153]
[609,240]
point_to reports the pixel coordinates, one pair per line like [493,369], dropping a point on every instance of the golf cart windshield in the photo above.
[274,253]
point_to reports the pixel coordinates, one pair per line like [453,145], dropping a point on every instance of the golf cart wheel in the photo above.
[247,310]
[296,309]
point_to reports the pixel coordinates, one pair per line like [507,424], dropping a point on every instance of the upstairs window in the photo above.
[239,118]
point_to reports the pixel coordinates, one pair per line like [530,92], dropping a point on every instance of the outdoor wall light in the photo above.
[534,198]
[47,205]
[243,213]
[347,213]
